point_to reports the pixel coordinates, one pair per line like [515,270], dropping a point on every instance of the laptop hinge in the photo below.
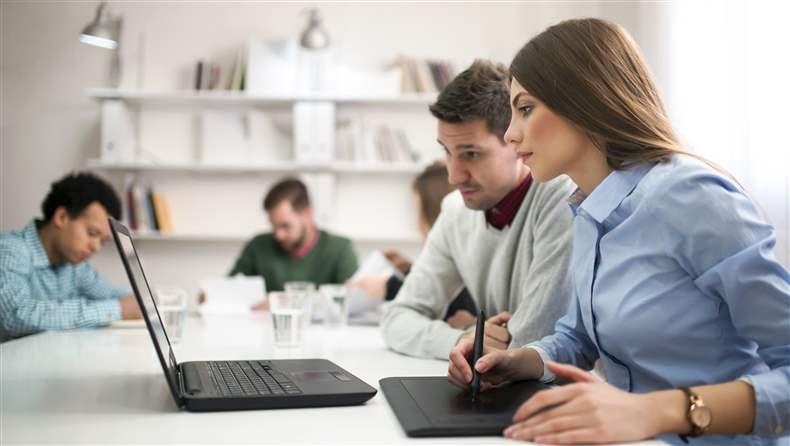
[180,385]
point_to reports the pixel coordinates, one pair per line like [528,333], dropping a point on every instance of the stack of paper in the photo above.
[232,295]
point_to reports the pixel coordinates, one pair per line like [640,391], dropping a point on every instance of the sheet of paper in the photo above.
[375,263]
[232,295]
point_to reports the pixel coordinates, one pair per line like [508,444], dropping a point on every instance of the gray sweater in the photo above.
[522,268]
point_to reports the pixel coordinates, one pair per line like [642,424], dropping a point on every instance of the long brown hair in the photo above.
[592,73]
[432,185]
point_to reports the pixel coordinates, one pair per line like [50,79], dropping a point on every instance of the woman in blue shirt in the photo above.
[677,290]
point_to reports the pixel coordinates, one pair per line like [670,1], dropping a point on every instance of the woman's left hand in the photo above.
[586,411]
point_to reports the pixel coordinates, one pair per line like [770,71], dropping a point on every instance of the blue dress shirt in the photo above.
[677,285]
[37,296]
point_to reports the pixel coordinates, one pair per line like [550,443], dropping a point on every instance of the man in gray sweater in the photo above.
[502,236]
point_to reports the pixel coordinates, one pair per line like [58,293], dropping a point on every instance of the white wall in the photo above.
[50,128]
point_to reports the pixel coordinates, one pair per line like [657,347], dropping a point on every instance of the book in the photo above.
[199,75]
[162,210]
[152,217]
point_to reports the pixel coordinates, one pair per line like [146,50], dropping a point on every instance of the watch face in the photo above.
[701,417]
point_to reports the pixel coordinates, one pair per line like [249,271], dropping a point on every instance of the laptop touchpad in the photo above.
[311,377]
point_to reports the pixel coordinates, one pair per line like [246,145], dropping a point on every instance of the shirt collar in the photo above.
[608,195]
[312,239]
[33,241]
[504,212]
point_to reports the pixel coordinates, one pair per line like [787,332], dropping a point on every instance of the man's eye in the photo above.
[471,155]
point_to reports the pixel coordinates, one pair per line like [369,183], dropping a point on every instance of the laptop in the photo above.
[237,385]
[429,406]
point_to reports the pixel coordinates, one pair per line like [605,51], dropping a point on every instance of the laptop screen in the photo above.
[141,289]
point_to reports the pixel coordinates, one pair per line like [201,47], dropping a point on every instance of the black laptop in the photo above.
[237,385]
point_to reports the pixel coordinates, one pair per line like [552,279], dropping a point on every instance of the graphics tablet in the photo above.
[429,406]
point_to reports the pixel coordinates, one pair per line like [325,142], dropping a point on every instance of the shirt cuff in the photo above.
[772,402]
[108,310]
[118,293]
[446,340]
[548,376]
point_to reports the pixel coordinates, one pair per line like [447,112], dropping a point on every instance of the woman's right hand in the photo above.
[495,366]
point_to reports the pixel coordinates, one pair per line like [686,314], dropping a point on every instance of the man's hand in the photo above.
[129,308]
[461,319]
[497,336]
[402,263]
[262,305]
[374,285]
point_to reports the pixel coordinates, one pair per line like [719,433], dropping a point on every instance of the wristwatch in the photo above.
[698,415]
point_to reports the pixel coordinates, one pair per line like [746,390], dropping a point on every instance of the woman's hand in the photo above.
[587,411]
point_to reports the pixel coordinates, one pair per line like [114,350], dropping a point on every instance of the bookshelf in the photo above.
[216,199]
[237,98]
[277,167]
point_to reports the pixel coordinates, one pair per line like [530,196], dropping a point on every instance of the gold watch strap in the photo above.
[693,401]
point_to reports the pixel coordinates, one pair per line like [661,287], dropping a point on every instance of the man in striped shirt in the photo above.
[46,282]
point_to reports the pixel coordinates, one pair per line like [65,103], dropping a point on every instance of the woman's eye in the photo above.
[525,110]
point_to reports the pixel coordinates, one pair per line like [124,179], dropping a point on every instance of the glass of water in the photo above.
[172,305]
[287,317]
[335,299]
[304,291]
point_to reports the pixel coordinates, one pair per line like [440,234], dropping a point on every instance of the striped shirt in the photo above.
[37,296]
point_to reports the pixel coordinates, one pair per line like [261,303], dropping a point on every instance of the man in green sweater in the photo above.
[295,249]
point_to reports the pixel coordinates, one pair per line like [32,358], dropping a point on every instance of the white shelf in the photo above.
[220,97]
[366,239]
[278,167]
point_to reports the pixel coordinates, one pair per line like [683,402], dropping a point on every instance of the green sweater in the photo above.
[332,260]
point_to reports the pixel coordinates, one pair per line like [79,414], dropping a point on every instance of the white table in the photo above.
[106,386]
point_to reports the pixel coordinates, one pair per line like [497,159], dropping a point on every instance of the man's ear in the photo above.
[307,215]
[60,217]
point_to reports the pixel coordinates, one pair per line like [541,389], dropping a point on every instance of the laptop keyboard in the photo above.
[250,378]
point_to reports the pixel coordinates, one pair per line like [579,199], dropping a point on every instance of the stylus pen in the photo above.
[479,336]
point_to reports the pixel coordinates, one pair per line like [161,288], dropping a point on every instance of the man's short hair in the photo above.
[482,91]
[289,189]
[76,191]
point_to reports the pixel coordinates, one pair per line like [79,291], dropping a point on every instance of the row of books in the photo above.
[221,75]
[356,141]
[424,75]
[146,210]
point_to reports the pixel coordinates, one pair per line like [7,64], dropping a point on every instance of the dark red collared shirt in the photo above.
[505,211]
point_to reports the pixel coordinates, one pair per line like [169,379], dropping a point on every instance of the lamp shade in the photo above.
[314,37]
[103,31]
